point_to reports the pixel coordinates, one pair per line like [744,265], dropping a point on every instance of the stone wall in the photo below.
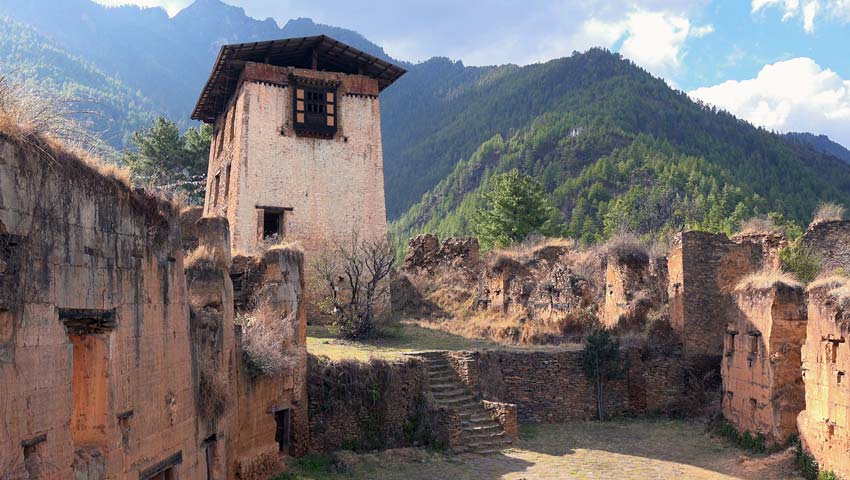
[324,188]
[703,271]
[830,242]
[825,423]
[366,406]
[762,382]
[96,370]
[550,386]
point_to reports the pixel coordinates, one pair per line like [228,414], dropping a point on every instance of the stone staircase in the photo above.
[481,434]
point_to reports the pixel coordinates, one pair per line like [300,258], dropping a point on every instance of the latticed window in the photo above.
[315,111]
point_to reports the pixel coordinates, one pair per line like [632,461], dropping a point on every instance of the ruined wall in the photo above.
[329,187]
[551,386]
[365,406]
[762,379]
[633,286]
[703,271]
[823,425]
[263,394]
[212,339]
[830,242]
[93,282]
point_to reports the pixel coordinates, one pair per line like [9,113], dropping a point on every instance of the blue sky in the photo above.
[782,64]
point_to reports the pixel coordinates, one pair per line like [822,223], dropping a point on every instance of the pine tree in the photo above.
[515,207]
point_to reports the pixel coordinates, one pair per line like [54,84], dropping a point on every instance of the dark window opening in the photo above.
[282,435]
[227,182]
[730,343]
[216,183]
[272,224]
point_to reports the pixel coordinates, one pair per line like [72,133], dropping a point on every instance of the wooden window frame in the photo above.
[323,100]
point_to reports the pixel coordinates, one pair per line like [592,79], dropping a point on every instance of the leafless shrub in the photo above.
[828,212]
[267,336]
[213,397]
[355,274]
[767,279]
[627,247]
[759,225]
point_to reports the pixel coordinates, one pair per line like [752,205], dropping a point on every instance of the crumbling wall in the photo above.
[633,287]
[365,406]
[830,242]
[92,280]
[703,271]
[762,381]
[266,395]
[823,425]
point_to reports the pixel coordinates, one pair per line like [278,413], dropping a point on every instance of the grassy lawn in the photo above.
[623,449]
[393,342]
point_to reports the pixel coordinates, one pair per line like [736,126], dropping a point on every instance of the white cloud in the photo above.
[792,95]
[170,6]
[652,39]
[808,10]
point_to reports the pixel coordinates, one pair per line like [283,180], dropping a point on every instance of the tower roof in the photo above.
[330,55]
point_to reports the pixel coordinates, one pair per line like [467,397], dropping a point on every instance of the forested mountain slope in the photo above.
[618,147]
[821,143]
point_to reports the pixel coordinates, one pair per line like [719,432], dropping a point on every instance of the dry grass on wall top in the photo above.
[627,247]
[766,279]
[829,212]
[44,124]
[835,284]
[758,226]
[206,258]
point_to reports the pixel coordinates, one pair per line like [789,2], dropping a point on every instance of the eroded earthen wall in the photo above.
[763,388]
[823,425]
[265,396]
[95,363]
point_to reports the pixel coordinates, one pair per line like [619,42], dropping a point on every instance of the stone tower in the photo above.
[296,153]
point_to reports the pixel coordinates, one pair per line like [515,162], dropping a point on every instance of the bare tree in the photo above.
[354,275]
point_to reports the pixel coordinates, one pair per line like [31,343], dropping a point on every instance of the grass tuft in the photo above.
[765,279]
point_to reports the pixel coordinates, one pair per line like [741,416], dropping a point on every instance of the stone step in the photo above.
[446,394]
[444,387]
[457,401]
[432,369]
[482,427]
[443,378]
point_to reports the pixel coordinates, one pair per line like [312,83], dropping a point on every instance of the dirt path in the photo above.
[628,449]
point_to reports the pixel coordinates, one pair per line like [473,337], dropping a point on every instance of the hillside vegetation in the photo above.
[618,148]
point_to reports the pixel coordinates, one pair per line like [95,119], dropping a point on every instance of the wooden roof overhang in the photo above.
[320,52]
